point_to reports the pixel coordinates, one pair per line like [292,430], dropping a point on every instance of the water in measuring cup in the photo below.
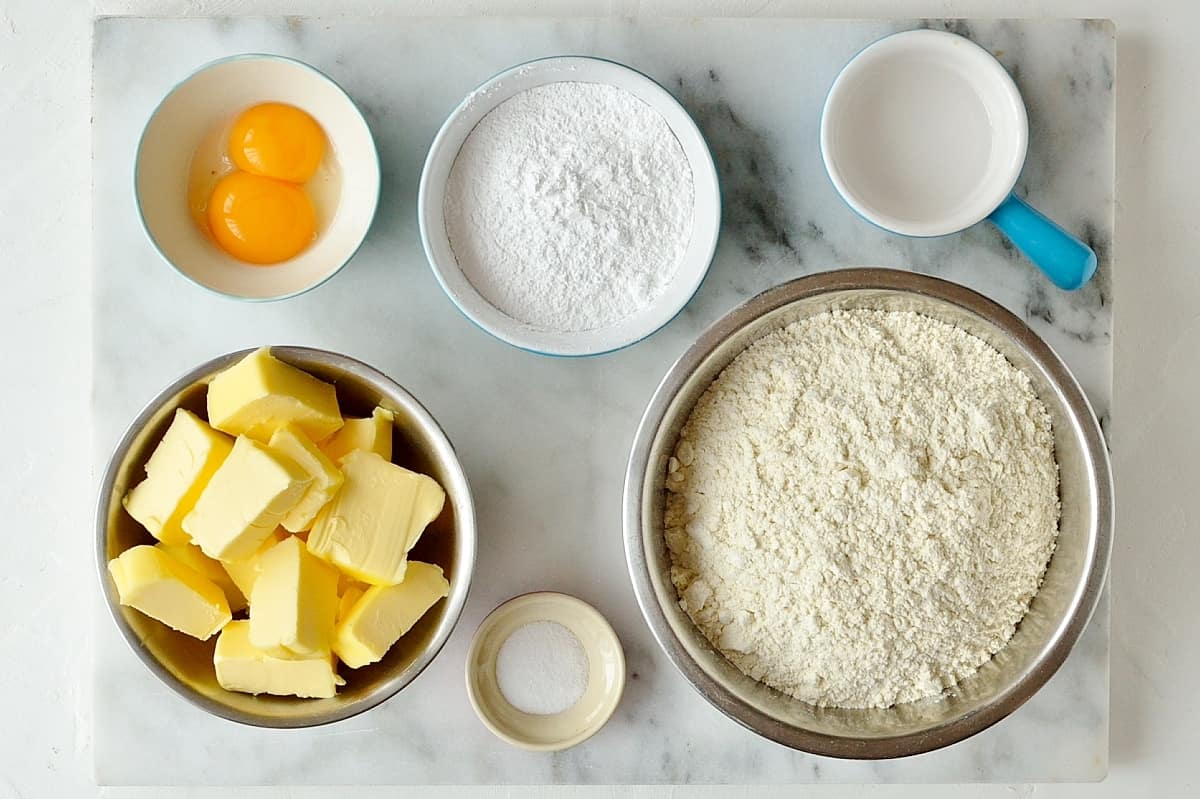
[917,142]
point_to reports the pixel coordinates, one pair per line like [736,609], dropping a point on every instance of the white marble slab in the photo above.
[545,440]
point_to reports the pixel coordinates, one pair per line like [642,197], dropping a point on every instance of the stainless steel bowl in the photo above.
[184,663]
[1057,616]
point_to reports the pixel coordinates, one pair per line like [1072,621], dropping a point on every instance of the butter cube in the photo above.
[373,435]
[193,557]
[245,501]
[180,467]
[163,588]
[294,602]
[377,517]
[260,394]
[326,479]
[245,572]
[385,613]
[243,667]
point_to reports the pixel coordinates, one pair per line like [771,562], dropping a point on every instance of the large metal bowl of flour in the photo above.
[1057,616]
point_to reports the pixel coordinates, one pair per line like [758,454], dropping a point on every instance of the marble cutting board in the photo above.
[544,440]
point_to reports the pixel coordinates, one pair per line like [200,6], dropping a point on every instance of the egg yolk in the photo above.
[277,141]
[260,220]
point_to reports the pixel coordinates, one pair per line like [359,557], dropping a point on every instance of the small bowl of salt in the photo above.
[545,671]
[569,206]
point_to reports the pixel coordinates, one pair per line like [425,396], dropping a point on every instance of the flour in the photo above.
[861,507]
[570,206]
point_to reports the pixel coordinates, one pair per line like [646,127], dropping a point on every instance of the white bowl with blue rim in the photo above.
[212,95]
[692,267]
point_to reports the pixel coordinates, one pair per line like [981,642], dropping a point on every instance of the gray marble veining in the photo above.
[544,440]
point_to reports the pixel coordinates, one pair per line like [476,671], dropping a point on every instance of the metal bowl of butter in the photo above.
[1058,614]
[185,664]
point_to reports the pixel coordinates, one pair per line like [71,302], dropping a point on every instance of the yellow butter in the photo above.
[326,479]
[346,582]
[193,557]
[245,501]
[180,467]
[260,394]
[373,435]
[386,612]
[294,602]
[377,517]
[163,588]
[349,591]
[244,572]
[352,594]
[243,667]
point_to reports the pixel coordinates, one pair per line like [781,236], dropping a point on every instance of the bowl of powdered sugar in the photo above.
[569,206]
[868,513]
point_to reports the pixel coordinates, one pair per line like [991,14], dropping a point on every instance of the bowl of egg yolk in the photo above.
[257,177]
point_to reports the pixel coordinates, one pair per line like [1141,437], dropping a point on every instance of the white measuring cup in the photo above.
[924,133]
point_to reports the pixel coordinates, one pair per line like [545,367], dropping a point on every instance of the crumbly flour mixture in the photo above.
[570,206]
[861,507]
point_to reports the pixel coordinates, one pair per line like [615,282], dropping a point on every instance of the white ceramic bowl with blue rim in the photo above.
[209,97]
[692,267]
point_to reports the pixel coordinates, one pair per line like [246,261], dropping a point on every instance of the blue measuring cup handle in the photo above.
[1067,261]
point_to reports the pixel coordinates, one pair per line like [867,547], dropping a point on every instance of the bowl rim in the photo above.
[137,160]
[636,498]
[455,602]
[437,152]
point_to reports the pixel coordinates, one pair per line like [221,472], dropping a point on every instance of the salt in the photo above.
[542,668]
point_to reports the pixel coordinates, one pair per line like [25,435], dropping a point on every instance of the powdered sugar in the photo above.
[861,507]
[570,206]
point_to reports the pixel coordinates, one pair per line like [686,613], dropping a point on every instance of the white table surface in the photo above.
[44,315]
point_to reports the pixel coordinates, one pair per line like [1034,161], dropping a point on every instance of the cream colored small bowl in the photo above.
[606,673]
[209,97]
